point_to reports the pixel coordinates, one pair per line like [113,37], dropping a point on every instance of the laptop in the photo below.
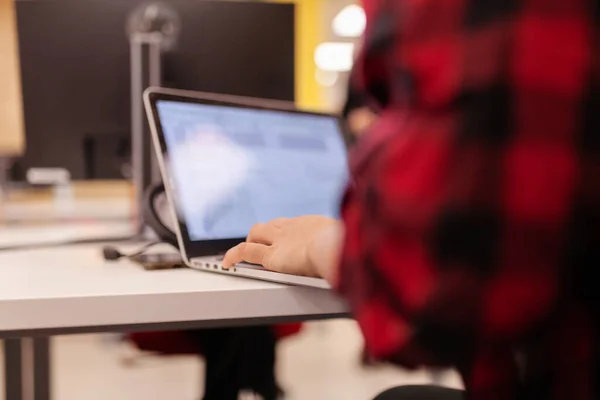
[230,162]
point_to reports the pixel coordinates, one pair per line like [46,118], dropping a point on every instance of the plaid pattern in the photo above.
[473,222]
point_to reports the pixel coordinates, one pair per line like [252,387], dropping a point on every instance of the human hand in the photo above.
[359,120]
[285,245]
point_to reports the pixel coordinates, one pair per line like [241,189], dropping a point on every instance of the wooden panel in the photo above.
[82,190]
[12,136]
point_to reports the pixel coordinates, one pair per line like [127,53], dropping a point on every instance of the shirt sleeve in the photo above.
[461,194]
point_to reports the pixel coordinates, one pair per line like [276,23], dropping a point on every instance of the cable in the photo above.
[111,253]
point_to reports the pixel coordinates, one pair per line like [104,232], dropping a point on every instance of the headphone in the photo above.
[152,218]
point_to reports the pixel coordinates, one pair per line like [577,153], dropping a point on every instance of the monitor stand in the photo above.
[3,179]
[145,71]
[152,28]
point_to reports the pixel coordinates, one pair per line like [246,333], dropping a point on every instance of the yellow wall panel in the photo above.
[12,139]
[308,37]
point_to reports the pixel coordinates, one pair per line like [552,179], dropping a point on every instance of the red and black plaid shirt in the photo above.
[473,223]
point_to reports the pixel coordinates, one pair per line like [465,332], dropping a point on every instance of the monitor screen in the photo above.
[233,167]
[85,45]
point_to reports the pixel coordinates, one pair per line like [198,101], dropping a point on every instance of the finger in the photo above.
[279,222]
[253,253]
[262,233]
[232,257]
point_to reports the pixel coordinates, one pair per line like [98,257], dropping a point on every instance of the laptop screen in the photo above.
[233,167]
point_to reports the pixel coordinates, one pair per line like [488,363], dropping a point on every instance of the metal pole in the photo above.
[155,66]
[3,178]
[145,71]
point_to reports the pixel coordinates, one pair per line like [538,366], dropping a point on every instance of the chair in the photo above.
[249,351]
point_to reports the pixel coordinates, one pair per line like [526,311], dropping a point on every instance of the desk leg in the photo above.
[13,368]
[27,369]
[41,368]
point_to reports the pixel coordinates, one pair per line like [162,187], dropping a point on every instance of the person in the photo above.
[471,227]
[357,113]
[236,359]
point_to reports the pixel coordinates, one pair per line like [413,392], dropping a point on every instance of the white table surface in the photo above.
[28,235]
[65,288]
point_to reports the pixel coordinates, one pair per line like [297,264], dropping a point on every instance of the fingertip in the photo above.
[230,257]
[226,263]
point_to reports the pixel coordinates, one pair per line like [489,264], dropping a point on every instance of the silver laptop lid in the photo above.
[231,162]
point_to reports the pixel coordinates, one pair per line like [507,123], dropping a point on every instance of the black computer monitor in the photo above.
[76,73]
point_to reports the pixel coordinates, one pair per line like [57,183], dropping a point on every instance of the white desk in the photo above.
[20,236]
[72,290]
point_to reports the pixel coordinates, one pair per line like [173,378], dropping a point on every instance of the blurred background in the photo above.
[68,76]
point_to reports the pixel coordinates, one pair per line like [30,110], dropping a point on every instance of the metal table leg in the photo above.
[27,369]
[13,367]
[41,369]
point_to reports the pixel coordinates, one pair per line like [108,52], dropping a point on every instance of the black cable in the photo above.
[111,253]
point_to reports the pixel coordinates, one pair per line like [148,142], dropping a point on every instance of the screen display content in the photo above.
[233,167]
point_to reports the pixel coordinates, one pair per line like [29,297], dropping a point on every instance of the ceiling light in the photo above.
[350,22]
[326,78]
[334,56]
